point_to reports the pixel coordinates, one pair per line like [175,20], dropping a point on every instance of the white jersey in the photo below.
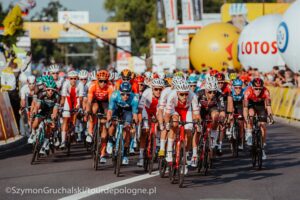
[173,103]
[146,98]
[59,83]
[85,88]
[66,89]
[163,98]
[25,91]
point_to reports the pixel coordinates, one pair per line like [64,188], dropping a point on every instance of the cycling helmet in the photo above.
[31,79]
[213,72]
[211,83]
[47,78]
[220,77]
[180,74]
[102,75]
[139,79]
[157,82]
[148,74]
[53,68]
[72,73]
[183,86]
[176,80]
[245,78]
[126,74]
[237,82]
[50,84]
[161,75]
[125,87]
[83,74]
[257,82]
[113,76]
[193,79]
[39,81]
[232,76]
[93,75]
[168,81]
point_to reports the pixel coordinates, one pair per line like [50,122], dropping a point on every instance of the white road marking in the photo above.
[103,188]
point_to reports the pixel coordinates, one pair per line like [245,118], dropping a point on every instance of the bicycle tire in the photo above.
[200,152]
[254,150]
[119,156]
[152,149]
[259,149]
[206,157]
[162,167]
[35,151]
[182,163]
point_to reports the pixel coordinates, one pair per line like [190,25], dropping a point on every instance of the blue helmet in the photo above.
[193,79]
[237,82]
[125,87]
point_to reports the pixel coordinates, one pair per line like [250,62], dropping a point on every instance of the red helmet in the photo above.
[257,82]
[213,72]
[139,79]
[220,77]
[102,74]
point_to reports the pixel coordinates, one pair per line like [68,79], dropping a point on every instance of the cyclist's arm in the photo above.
[230,104]
[111,106]
[268,102]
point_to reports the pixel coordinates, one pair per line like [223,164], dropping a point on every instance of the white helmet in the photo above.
[161,75]
[157,82]
[72,73]
[183,86]
[53,68]
[31,79]
[211,83]
[176,80]
[148,75]
[113,76]
[83,74]
[93,75]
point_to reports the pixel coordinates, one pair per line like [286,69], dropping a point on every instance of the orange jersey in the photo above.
[100,94]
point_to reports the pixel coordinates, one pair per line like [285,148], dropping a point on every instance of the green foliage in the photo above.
[142,16]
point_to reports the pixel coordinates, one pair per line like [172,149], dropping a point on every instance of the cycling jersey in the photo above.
[47,104]
[206,106]
[117,104]
[149,102]
[163,98]
[95,93]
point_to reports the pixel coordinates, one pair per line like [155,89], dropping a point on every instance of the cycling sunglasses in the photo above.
[83,79]
[257,89]
[102,81]
[54,73]
[238,87]
[125,93]
[221,82]
[73,78]
[193,85]
[183,94]
[50,90]
[157,89]
[212,92]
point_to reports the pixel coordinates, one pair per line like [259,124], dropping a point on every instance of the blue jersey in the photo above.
[117,104]
[236,97]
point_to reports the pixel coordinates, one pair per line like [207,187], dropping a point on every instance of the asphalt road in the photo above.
[61,176]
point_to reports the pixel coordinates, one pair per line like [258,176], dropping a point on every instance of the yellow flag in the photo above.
[13,21]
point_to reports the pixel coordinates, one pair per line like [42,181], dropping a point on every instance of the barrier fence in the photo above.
[8,125]
[286,102]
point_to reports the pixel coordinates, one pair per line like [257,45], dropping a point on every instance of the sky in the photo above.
[95,7]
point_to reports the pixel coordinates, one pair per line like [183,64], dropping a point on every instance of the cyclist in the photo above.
[54,71]
[126,76]
[123,103]
[257,101]
[98,98]
[148,109]
[182,105]
[193,81]
[46,106]
[211,102]
[139,86]
[72,96]
[235,106]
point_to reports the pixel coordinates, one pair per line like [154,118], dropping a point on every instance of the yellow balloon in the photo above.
[215,46]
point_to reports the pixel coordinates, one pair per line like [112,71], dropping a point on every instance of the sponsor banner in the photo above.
[182,59]
[187,11]
[77,17]
[53,30]
[170,7]
[231,12]
[163,49]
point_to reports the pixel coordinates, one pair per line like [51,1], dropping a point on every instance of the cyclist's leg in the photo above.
[163,134]
[144,135]
[92,121]
[214,114]
[222,117]
[188,136]
[103,133]
[127,117]
[171,136]
[249,126]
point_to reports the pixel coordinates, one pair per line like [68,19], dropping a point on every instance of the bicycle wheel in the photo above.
[162,167]
[97,152]
[201,150]
[182,163]
[119,156]
[259,149]
[146,157]
[152,150]
[172,174]
[35,151]
[254,150]
[234,141]
[206,159]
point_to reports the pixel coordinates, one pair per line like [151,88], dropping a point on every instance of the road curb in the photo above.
[16,143]
[286,121]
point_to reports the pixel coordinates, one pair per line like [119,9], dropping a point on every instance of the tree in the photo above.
[142,16]
[8,40]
